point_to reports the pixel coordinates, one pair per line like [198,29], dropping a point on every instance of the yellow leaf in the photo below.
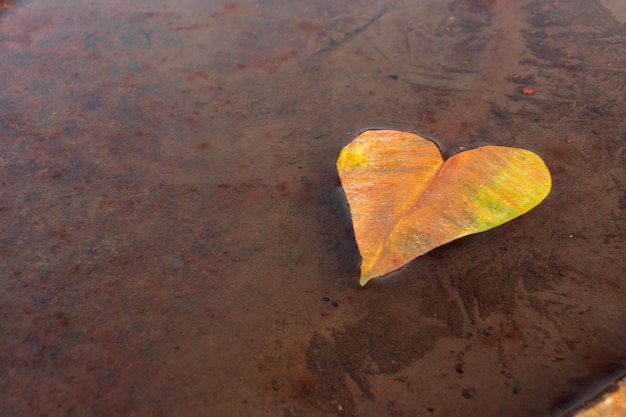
[405,200]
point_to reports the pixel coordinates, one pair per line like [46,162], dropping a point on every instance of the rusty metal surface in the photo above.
[173,239]
[610,403]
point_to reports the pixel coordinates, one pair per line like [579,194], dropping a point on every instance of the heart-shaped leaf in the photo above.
[405,200]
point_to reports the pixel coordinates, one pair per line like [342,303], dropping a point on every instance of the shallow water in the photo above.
[174,240]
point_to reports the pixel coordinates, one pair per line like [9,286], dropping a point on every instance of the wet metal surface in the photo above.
[173,239]
[611,402]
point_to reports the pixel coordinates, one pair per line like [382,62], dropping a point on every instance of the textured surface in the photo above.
[611,403]
[173,239]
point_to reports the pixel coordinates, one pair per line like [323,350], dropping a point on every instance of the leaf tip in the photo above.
[366,277]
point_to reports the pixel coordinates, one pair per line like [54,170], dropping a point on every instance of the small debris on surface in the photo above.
[558,358]
[468,393]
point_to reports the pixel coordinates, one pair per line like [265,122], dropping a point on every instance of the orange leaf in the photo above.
[405,200]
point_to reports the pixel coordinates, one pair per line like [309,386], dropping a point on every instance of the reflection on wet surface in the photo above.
[174,240]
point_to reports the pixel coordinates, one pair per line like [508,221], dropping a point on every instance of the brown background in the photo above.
[174,240]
